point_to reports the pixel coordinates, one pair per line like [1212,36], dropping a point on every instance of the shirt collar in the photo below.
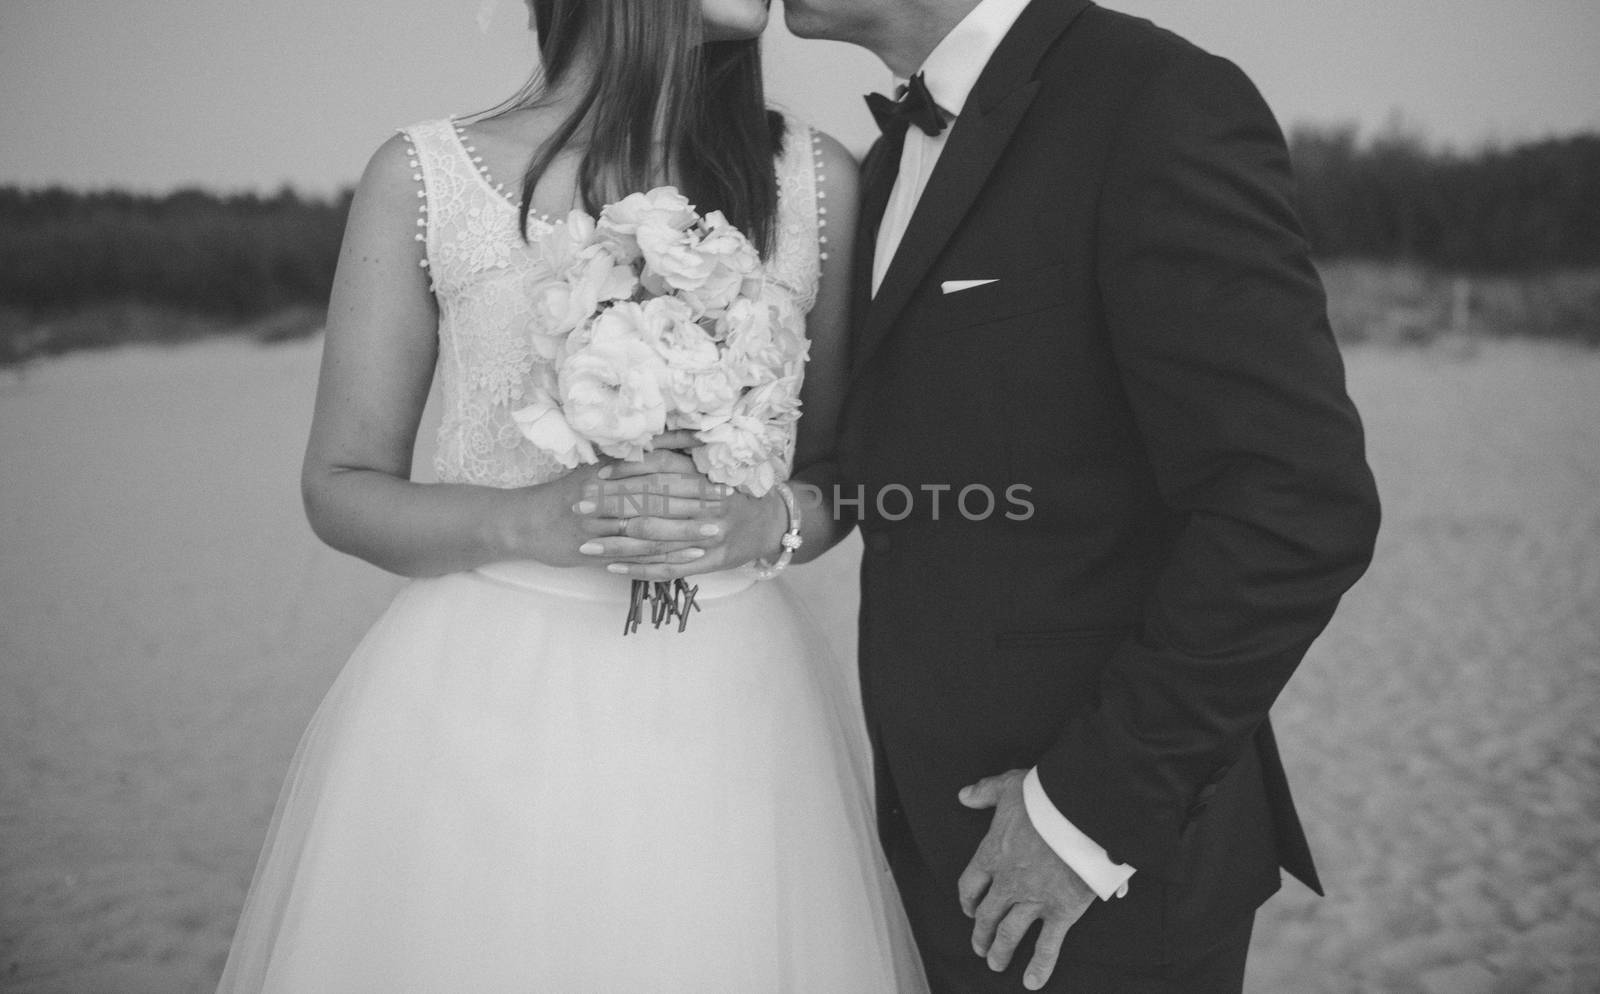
[953,67]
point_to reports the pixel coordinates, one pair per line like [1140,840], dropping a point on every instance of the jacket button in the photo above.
[878,542]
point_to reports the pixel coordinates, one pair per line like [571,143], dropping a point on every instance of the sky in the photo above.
[158,94]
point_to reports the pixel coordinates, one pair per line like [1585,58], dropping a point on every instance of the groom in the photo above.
[1110,487]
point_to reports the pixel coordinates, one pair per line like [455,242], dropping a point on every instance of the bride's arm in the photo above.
[377,364]
[750,528]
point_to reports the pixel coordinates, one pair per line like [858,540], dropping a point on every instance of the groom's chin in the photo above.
[802,22]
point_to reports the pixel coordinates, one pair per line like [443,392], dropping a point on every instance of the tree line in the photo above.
[233,256]
[1519,210]
[1523,209]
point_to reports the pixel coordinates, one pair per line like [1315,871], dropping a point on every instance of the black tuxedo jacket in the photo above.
[1150,407]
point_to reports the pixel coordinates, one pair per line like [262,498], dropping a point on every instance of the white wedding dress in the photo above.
[501,792]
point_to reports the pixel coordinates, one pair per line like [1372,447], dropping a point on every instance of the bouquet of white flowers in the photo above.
[655,318]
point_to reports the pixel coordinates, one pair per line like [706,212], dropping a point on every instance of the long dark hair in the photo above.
[654,78]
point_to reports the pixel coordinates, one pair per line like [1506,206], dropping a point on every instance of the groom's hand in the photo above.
[1014,879]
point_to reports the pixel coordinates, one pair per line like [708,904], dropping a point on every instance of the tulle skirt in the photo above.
[501,792]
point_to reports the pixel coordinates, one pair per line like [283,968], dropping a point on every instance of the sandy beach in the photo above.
[169,623]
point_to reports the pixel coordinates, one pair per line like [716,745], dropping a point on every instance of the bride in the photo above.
[501,791]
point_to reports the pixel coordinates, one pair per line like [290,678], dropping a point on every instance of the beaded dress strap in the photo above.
[818,180]
[465,144]
[418,175]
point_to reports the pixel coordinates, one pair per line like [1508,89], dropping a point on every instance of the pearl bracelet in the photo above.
[790,541]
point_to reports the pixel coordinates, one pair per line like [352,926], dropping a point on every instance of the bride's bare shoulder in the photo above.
[834,157]
[803,137]
[390,171]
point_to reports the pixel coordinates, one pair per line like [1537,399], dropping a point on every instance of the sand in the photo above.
[169,623]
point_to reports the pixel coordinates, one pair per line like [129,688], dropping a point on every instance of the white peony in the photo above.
[560,243]
[669,327]
[760,344]
[777,401]
[672,259]
[744,452]
[734,269]
[702,398]
[610,388]
[579,275]
[662,208]
[542,423]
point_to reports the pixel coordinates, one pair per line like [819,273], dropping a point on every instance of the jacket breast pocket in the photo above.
[1010,295]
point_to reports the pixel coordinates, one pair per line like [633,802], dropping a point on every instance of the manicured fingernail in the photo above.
[605,473]
[585,507]
[617,568]
[694,553]
[709,530]
[1032,982]
[591,548]
[966,793]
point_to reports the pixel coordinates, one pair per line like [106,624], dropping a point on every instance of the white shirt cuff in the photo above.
[1087,859]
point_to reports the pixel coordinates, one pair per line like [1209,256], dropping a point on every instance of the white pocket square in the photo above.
[956,286]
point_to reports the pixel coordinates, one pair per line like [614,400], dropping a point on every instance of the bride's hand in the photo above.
[661,519]
[607,507]
[696,534]
[566,514]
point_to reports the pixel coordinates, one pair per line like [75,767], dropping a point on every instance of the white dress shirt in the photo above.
[951,70]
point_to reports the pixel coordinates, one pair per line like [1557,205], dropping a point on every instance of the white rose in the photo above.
[747,326]
[558,308]
[672,259]
[601,276]
[559,244]
[702,398]
[564,297]
[761,344]
[669,327]
[744,452]
[662,207]
[543,424]
[788,330]
[611,387]
[734,266]
[699,390]
[776,402]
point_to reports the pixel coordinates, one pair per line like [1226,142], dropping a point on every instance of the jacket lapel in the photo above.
[977,141]
[877,182]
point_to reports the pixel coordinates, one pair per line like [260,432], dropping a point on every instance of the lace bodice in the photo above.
[481,269]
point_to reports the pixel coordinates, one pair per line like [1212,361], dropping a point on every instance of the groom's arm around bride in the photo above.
[1103,294]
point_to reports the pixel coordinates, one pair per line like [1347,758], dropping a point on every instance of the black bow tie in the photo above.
[913,104]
